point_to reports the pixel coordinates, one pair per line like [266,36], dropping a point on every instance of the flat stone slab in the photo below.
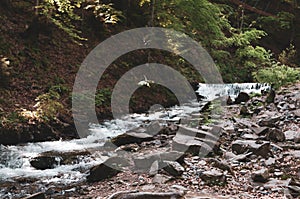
[258,148]
[193,141]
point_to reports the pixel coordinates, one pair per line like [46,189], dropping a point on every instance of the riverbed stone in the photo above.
[44,162]
[173,168]
[261,175]
[213,177]
[107,169]
[194,141]
[161,179]
[275,135]
[261,148]
[131,137]
[154,168]
[242,97]
[269,121]
[260,130]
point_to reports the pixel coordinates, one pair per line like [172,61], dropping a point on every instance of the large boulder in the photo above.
[107,169]
[195,141]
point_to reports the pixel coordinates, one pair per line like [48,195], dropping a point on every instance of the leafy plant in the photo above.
[105,12]
[278,75]
[64,14]
[102,96]
[12,118]
[48,105]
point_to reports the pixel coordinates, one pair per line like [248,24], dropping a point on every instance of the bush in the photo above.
[277,75]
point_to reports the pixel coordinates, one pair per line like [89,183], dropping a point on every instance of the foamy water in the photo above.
[14,160]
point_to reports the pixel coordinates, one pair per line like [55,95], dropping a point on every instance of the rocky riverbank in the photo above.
[252,149]
[257,156]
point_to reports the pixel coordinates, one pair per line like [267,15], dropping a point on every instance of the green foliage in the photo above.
[63,13]
[277,75]
[234,50]
[103,96]
[200,19]
[48,104]
[288,56]
[60,89]
[105,12]
[282,72]
[283,21]
[12,118]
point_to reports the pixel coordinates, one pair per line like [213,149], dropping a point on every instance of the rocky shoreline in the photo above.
[255,153]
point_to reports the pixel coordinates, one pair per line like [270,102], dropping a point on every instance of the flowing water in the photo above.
[15,160]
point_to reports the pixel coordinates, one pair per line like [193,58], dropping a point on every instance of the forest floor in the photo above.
[50,62]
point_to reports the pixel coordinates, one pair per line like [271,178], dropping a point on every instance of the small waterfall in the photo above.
[213,91]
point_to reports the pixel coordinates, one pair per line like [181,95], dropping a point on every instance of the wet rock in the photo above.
[242,97]
[261,175]
[132,137]
[173,168]
[50,159]
[107,169]
[44,162]
[39,195]
[258,148]
[275,135]
[229,101]
[213,177]
[155,128]
[161,179]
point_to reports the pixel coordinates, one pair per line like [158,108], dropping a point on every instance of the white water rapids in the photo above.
[14,160]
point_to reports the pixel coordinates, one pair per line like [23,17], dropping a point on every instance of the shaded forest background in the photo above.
[45,42]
